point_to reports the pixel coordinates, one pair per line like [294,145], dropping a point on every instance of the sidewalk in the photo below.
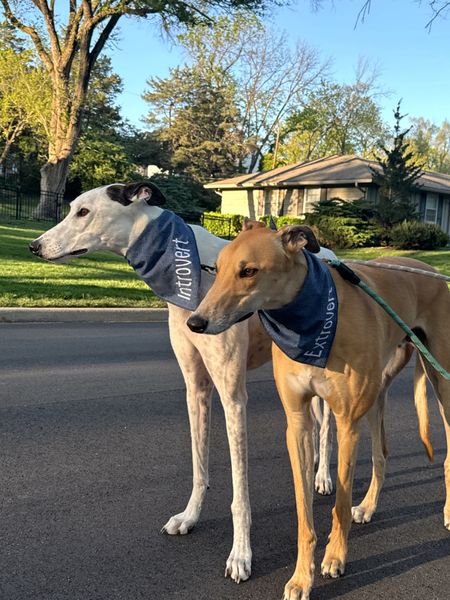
[89,315]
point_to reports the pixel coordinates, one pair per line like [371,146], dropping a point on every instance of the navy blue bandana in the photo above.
[165,256]
[305,328]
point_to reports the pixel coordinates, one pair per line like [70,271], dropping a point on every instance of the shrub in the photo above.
[413,235]
[223,225]
[283,220]
[345,232]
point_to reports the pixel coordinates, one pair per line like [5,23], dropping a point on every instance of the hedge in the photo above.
[414,235]
[223,225]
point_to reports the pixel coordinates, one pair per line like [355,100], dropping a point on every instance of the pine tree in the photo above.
[397,176]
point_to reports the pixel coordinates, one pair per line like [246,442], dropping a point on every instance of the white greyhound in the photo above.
[112,218]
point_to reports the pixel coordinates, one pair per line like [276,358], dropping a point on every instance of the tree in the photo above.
[270,76]
[198,118]
[396,177]
[431,144]
[69,50]
[333,119]
[24,93]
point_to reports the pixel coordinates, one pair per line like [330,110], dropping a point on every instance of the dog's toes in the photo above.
[238,569]
[178,525]
[360,514]
[323,484]
[447,521]
[294,590]
[332,568]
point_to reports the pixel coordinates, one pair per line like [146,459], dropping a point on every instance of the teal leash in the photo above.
[349,275]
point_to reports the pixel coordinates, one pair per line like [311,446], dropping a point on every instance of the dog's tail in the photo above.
[421,402]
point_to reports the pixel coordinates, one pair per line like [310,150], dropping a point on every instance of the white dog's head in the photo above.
[101,219]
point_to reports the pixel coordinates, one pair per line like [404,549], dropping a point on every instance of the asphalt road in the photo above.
[95,457]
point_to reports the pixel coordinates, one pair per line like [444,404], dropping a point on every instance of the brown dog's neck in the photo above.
[291,281]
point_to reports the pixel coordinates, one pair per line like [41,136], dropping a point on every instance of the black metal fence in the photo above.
[220,226]
[47,206]
[43,206]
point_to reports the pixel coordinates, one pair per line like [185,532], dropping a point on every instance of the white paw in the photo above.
[447,521]
[179,524]
[323,483]
[361,514]
[332,568]
[239,566]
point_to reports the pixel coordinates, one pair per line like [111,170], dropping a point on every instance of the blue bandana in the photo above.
[305,328]
[165,256]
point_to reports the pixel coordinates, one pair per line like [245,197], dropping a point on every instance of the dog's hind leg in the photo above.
[442,390]
[364,511]
[323,482]
[199,388]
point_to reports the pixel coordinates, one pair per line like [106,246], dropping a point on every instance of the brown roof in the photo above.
[333,170]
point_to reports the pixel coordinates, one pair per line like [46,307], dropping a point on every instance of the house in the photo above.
[293,189]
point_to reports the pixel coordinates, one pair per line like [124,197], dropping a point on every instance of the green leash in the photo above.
[353,278]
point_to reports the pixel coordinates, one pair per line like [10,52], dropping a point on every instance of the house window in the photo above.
[431,208]
[312,195]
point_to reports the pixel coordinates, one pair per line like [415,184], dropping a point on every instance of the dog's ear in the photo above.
[132,192]
[249,224]
[296,237]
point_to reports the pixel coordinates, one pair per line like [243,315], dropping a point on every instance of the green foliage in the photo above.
[333,119]
[397,176]
[344,232]
[223,225]
[185,194]
[281,221]
[335,207]
[430,144]
[197,117]
[413,235]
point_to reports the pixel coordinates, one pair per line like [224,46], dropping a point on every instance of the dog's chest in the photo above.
[306,380]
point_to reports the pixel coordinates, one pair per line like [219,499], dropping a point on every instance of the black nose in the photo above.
[35,247]
[197,324]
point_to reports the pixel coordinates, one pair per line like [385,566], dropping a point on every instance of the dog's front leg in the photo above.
[199,388]
[333,564]
[226,361]
[299,438]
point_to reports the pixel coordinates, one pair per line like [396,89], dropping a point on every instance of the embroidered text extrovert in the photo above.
[321,340]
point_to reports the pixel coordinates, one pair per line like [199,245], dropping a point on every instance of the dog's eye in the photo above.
[82,212]
[248,272]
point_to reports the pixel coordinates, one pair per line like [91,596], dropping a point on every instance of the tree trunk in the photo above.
[53,183]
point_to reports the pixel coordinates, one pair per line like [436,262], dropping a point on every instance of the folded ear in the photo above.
[132,192]
[249,224]
[296,237]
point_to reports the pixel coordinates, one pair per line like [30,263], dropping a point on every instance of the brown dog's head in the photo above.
[260,269]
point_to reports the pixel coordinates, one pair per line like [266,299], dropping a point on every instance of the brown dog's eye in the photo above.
[82,212]
[248,272]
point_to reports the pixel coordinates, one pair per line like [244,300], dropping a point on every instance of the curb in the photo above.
[85,315]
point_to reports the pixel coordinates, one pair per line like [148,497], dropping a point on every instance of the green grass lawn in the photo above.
[100,280]
[103,280]
[439,259]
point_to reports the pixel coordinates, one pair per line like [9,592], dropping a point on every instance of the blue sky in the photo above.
[414,64]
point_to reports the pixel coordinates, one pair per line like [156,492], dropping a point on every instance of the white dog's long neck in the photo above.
[208,245]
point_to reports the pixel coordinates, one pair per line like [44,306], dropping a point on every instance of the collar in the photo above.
[165,256]
[305,328]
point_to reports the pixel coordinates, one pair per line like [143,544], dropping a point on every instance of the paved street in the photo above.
[95,457]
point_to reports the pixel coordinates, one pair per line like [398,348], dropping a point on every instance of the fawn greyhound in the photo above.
[112,218]
[262,270]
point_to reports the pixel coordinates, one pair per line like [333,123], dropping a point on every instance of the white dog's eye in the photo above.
[82,212]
